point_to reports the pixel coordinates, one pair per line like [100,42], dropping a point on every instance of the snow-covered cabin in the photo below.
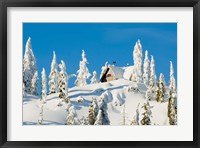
[111,72]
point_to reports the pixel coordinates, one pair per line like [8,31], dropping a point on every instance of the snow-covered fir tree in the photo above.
[40,120]
[43,85]
[34,84]
[72,117]
[99,119]
[172,111]
[172,100]
[84,121]
[93,111]
[94,78]
[53,76]
[29,66]
[124,115]
[103,108]
[152,80]
[160,92]
[136,120]
[23,90]
[172,85]
[63,82]
[146,120]
[83,72]
[137,58]
[146,69]
[150,93]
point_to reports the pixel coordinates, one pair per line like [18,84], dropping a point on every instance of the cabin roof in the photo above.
[119,72]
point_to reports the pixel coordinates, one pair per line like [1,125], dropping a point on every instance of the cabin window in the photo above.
[108,75]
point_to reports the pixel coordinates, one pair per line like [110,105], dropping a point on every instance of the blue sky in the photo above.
[102,42]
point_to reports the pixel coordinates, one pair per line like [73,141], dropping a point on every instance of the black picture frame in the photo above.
[4,4]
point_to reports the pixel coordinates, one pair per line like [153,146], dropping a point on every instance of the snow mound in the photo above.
[115,95]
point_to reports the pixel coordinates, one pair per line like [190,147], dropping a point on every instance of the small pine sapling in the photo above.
[99,120]
[72,118]
[103,108]
[93,111]
[94,78]
[40,120]
[160,89]
[146,120]
[136,119]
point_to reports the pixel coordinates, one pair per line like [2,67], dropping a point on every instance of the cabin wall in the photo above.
[110,76]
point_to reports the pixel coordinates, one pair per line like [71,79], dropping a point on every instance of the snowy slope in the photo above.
[116,95]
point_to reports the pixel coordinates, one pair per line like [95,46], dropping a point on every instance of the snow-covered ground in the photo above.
[116,95]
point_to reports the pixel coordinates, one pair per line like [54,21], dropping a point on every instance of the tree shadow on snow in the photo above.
[79,104]
[45,122]
[29,123]
[70,91]
[30,98]
[95,93]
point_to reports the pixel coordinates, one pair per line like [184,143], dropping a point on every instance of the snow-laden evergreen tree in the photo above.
[150,93]
[172,85]
[23,90]
[83,72]
[146,120]
[63,82]
[40,120]
[172,100]
[136,120]
[103,108]
[34,84]
[146,69]
[43,85]
[68,105]
[137,58]
[84,121]
[124,115]
[160,92]
[99,119]
[152,80]
[93,111]
[72,117]
[94,78]
[172,111]
[53,76]
[29,66]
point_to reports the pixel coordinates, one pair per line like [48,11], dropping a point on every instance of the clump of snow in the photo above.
[108,96]
[132,88]
[80,99]
[128,72]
